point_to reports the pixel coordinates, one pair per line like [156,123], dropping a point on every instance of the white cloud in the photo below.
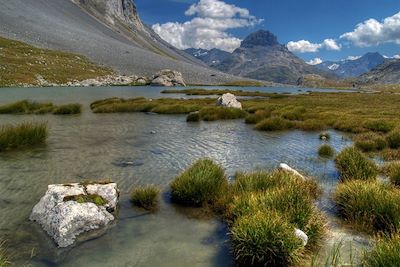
[372,32]
[208,28]
[353,57]
[314,61]
[304,46]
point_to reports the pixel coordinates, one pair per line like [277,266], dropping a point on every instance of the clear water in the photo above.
[98,146]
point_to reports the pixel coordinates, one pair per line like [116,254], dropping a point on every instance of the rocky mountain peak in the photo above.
[260,38]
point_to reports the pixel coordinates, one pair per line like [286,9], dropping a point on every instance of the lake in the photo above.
[122,147]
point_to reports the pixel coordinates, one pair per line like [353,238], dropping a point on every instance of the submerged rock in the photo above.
[229,100]
[302,236]
[168,78]
[68,210]
[287,168]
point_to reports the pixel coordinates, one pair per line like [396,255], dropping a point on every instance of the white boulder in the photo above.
[64,218]
[229,100]
[168,78]
[302,236]
[287,168]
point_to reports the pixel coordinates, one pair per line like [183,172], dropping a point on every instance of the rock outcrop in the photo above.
[68,210]
[229,100]
[168,78]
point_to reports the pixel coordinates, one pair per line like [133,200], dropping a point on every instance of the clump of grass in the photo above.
[193,117]
[393,139]
[22,135]
[274,124]
[352,164]
[296,114]
[385,253]
[25,107]
[393,171]
[258,116]
[200,184]
[324,136]
[265,239]
[368,142]
[3,258]
[326,151]
[90,198]
[370,205]
[221,113]
[244,83]
[310,125]
[378,126]
[145,197]
[68,109]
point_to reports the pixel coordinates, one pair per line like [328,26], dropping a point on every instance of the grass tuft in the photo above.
[326,151]
[274,124]
[352,164]
[393,171]
[393,139]
[369,142]
[378,126]
[201,184]
[31,107]
[193,117]
[221,113]
[385,253]
[370,205]
[22,135]
[68,109]
[145,197]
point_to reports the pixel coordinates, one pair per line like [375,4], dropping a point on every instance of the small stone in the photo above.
[302,236]
[229,100]
[287,168]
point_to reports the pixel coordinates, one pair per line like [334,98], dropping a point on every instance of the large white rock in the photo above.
[168,78]
[287,168]
[65,220]
[229,100]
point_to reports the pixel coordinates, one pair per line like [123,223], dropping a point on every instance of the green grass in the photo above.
[68,109]
[369,205]
[393,172]
[244,84]
[31,107]
[352,164]
[385,252]
[193,117]
[3,258]
[145,197]
[296,114]
[221,113]
[370,142]
[208,92]
[22,135]
[21,63]
[274,124]
[393,139]
[200,184]
[378,126]
[91,198]
[257,116]
[264,239]
[326,151]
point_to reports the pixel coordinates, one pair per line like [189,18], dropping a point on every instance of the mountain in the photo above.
[210,57]
[353,68]
[386,73]
[260,56]
[108,32]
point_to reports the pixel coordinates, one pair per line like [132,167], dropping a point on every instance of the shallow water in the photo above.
[121,147]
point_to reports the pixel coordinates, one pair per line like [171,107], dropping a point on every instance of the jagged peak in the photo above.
[260,38]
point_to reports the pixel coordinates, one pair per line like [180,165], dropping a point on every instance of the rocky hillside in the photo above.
[352,68]
[262,57]
[108,32]
[386,73]
[210,57]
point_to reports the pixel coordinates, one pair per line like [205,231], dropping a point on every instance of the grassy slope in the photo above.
[21,63]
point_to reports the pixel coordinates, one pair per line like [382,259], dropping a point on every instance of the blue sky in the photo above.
[223,23]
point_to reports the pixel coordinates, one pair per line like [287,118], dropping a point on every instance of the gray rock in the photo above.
[168,78]
[287,168]
[229,100]
[65,220]
[302,236]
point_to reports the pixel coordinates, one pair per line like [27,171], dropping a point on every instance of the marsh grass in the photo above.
[145,197]
[393,139]
[221,113]
[68,109]
[352,164]
[295,114]
[326,151]
[385,252]
[392,170]
[369,142]
[274,124]
[22,135]
[31,107]
[258,116]
[265,239]
[369,205]
[4,261]
[201,184]
[193,117]
[90,198]
[378,126]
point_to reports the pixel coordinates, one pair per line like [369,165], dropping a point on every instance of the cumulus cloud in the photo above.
[314,61]
[304,46]
[372,32]
[208,27]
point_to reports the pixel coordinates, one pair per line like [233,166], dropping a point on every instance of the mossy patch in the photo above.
[90,198]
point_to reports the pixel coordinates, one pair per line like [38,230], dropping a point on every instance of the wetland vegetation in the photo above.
[31,107]
[145,197]
[22,135]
